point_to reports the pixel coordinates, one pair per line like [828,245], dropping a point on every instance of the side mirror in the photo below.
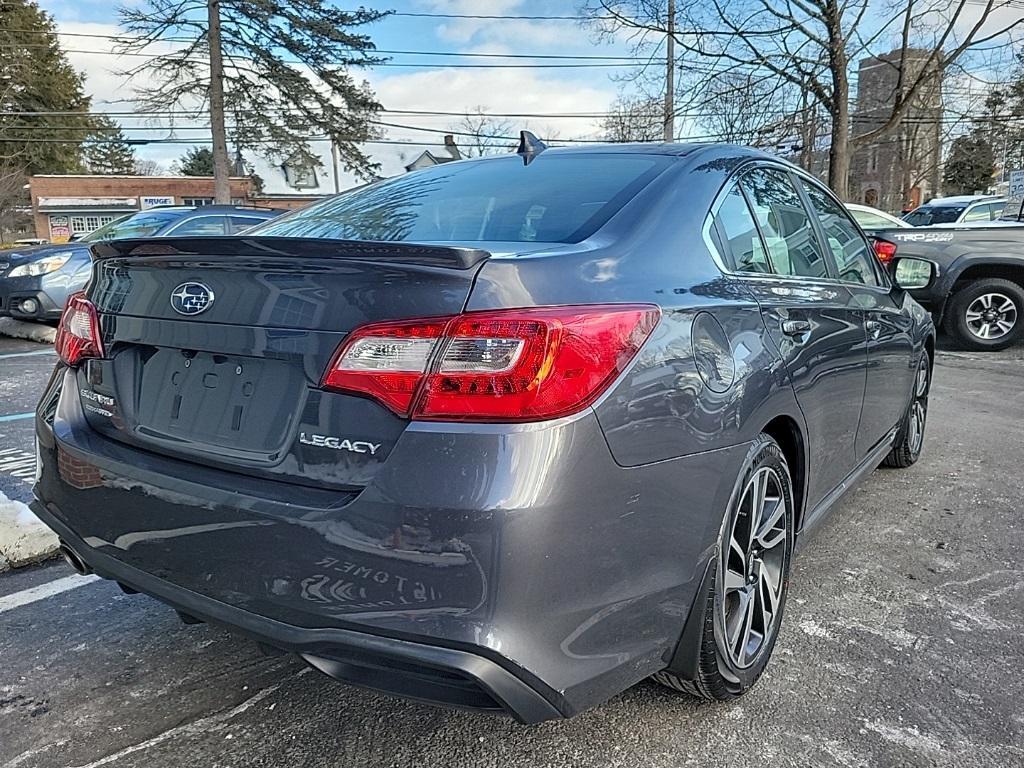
[911,274]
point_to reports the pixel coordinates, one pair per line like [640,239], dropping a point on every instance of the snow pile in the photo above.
[23,538]
[18,329]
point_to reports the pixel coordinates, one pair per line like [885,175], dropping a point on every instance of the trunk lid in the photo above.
[216,348]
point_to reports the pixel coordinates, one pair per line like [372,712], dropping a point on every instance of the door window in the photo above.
[792,245]
[737,233]
[853,258]
[200,226]
[978,213]
[242,223]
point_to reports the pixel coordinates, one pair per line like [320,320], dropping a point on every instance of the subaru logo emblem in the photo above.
[191,298]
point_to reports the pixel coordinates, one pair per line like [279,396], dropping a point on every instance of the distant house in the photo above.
[300,179]
[427,159]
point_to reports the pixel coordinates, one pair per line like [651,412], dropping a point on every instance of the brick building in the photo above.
[901,168]
[67,205]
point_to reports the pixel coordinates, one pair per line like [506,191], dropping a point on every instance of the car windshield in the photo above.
[871,220]
[934,214]
[137,225]
[554,199]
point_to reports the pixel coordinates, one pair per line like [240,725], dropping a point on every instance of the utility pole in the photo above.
[221,164]
[670,75]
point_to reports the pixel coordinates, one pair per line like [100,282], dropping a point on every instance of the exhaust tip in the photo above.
[71,557]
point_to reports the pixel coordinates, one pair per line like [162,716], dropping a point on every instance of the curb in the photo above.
[24,539]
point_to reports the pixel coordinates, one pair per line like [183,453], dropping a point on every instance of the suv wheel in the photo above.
[746,597]
[987,314]
[910,438]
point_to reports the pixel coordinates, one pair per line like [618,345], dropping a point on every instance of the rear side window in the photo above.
[849,249]
[979,213]
[242,223]
[737,233]
[784,222]
[555,199]
[200,226]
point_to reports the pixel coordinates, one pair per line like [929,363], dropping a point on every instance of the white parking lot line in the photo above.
[29,354]
[43,591]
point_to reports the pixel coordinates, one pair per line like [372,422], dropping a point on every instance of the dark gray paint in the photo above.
[569,552]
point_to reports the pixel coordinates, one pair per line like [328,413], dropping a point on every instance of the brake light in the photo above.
[503,365]
[885,251]
[78,335]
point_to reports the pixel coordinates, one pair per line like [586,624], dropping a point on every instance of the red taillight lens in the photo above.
[78,335]
[885,251]
[504,365]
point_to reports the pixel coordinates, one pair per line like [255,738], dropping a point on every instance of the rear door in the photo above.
[811,317]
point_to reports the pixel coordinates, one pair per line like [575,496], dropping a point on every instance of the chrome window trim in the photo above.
[720,262]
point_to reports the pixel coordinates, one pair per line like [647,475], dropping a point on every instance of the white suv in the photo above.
[964,209]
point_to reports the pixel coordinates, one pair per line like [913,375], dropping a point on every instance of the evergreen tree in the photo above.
[270,75]
[108,152]
[36,77]
[197,161]
[970,165]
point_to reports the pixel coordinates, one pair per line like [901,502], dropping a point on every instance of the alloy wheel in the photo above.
[754,554]
[919,408]
[991,316]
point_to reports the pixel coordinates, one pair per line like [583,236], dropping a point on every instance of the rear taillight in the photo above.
[503,365]
[885,251]
[78,335]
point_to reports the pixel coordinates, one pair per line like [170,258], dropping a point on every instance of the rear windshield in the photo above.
[137,225]
[934,214]
[555,199]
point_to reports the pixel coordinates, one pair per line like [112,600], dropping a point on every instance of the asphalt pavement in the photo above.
[901,646]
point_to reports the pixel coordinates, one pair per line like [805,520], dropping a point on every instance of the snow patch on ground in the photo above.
[18,329]
[23,538]
[813,628]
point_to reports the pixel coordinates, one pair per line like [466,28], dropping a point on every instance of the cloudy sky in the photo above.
[410,86]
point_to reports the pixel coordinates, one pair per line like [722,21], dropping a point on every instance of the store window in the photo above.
[197,202]
[83,225]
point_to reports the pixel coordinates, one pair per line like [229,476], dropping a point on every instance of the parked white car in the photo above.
[871,218]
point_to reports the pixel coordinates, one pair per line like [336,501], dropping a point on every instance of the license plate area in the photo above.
[234,405]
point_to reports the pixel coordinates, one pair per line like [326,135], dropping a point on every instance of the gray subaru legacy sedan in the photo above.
[509,434]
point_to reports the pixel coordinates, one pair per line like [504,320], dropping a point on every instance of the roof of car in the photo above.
[962,200]
[214,209]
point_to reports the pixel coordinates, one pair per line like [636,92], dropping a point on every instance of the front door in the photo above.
[890,348]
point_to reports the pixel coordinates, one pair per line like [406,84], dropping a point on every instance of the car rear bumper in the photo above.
[426,672]
[502,567]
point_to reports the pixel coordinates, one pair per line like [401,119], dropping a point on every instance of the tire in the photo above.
[987,315]
[733,649]
[910,437]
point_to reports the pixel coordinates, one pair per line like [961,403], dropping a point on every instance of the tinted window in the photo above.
[738,234]
[849,248]
[556,199]
[934,214]
[787,230]
[996,209]
[137,225]
[200,226]
[240,223]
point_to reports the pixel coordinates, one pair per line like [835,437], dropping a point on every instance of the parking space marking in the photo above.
[18,416]
[29,354]
[18,464]
[43,591]
[210,723]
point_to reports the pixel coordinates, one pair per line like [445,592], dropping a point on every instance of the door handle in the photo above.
[874,328]
[796,327]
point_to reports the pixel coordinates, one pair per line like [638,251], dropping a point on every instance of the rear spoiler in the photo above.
[294,247]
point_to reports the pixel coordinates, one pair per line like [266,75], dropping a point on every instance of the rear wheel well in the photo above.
[785,431]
